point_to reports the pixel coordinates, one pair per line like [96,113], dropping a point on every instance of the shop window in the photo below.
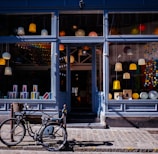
[133,70]
[133,23]
[23,24]
[30,68]
[81,24]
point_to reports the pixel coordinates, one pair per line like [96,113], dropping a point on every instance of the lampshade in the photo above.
[92,33]
[116,85]
[132,67]
[126,75]
[6,55]
[8,70]
[72,59]
[118,66]
[61,47]
[141,61]
[80,32]
[44,32]
[20,31]
[2,61]
[32,28]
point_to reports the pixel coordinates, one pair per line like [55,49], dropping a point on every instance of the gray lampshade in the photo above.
[8,70]
[6,55]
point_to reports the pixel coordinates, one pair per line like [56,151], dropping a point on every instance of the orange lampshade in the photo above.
[2,61]
[32,28]
[92,33]
[72,59]
[61,47]
[116,85]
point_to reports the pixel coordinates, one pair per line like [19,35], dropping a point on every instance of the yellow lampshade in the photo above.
[135,95]
[141,61]
[116,85]
[132,67]
[72,59]
[32,28]
[2,61]
[126,75]
[118,66]
[110,96]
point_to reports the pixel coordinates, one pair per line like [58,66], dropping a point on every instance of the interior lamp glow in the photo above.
[118,67]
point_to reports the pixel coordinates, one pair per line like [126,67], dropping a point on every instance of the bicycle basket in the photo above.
[17,107]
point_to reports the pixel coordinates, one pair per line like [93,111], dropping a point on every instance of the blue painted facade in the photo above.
[101,104]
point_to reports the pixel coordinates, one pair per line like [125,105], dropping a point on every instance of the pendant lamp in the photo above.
[20,31]
[118,67]
[44,32]
[2,61]
[32,27]
[8,70]
[116,85]
[126,75]
[141,61]
[132,67]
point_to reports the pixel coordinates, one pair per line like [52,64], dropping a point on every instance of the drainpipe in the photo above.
[104,101]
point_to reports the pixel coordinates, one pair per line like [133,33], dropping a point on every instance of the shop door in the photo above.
[81,95]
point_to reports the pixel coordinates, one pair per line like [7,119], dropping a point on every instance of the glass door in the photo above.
[81,95]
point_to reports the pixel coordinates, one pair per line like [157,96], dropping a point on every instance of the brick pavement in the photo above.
[102,140]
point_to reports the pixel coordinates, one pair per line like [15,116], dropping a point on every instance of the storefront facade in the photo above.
[99,57]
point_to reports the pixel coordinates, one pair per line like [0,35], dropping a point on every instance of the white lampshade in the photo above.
[80,32]
[8,70]
[126,75]
[141,61]
[44,32]
[6,55]
[20,31]
[118,66]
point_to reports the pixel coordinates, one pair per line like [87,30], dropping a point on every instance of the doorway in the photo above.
[81,95]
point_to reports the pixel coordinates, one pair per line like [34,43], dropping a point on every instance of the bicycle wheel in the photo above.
[12,132]
[53,137]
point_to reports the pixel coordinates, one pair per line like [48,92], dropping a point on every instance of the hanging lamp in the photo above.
[126,75]
[132,67]
[20,31]
[32,27]
[118,67]
[141,61]
[8,70]
[2,61]
[116,85]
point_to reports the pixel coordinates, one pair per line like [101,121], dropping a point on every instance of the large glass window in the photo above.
[133,23]
[133,70]
[29,69]
[81,24]
[25,24]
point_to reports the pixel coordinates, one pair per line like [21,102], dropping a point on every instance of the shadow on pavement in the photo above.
[71,144]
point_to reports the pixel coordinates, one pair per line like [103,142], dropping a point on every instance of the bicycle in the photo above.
[52,134]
